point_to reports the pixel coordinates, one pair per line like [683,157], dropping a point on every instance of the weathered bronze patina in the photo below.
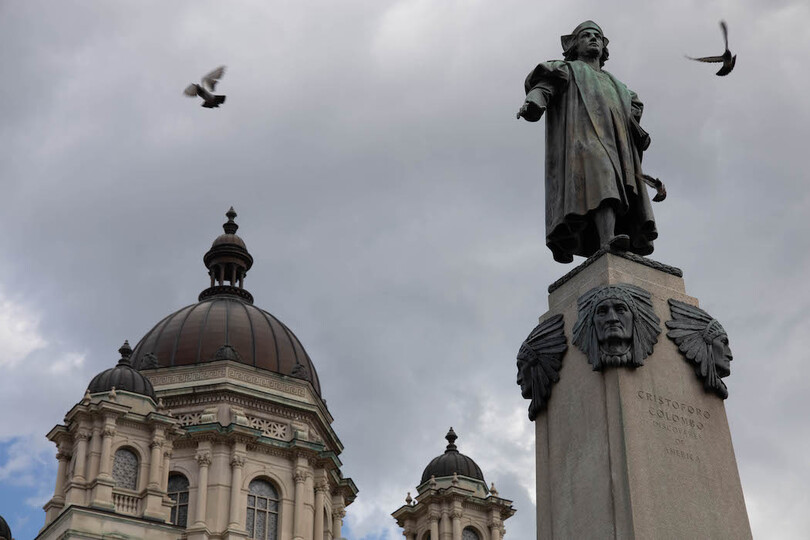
[703,342]
[539,361]
[616,326]
[595,191]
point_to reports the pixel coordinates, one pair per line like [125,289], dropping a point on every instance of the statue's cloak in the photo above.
[593,153]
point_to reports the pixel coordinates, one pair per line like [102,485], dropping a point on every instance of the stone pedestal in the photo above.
[634,453]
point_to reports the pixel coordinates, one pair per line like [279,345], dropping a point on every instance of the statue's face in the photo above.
[589,44]
[613,321]
[722,355]
[523,378]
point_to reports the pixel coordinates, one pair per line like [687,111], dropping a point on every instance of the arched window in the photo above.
[178,492]
[262,510]
[125,469]
[470,534]
[426,536]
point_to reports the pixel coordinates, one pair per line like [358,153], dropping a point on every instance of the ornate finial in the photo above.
[86,398]
[408,499]
[432,481]
[492,489]
[160,405]
[230,227]
[125,351]
[112,395]
[451,440]
[455,479]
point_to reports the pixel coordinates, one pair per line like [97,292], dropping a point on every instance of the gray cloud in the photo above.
[395,207]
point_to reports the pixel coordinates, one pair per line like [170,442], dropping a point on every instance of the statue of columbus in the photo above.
[595,193]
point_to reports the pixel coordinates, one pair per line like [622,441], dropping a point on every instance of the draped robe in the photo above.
[593,152]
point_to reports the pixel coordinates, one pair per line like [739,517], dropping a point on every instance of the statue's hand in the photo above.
[530,111]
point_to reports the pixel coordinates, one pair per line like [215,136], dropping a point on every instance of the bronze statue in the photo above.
[703,342]
[616,326]
[595,189]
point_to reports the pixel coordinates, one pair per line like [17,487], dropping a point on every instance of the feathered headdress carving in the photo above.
[645,322]
[539,361]
[693,331]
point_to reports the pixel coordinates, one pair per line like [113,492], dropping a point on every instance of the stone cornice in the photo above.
[180,403]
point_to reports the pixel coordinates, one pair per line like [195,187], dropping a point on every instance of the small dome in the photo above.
[5,531]
[452,461]
[122,377]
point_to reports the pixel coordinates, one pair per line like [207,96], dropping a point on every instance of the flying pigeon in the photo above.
[209,82]
[726,58]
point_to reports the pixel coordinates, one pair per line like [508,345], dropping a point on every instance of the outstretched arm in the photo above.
[534,106]
[543,83]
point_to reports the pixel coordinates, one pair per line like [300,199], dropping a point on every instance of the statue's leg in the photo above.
[605,220]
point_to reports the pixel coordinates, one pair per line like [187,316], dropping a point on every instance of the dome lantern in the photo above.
[228,262]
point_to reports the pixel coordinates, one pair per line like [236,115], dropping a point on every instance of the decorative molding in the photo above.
[109,431]
[671,270]
[189,419]
[322,486]
[273,430]
[164,379]
[203,459]
[300,476]
[227,372]
[238,461]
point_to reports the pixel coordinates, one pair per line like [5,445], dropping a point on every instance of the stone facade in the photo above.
[221,426]
[627,452]
[454,508]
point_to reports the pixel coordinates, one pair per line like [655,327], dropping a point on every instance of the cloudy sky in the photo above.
[394,207]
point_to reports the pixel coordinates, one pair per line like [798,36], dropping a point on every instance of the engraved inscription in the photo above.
[684,424]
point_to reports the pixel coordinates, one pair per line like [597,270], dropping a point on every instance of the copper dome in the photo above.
[224,324]
[452,461]
[122,377]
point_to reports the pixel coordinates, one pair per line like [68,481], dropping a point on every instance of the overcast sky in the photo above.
[394,208]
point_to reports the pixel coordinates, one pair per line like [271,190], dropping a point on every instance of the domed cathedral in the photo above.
[453,501]
[212,427]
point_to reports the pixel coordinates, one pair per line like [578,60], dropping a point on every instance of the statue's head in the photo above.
[616,326]
[704,342]
[587,40]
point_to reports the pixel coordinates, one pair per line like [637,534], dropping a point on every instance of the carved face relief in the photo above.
[523,378]
[616,326]
[589,43]
[539,361]
[722,355]
[703,343]
[613,322]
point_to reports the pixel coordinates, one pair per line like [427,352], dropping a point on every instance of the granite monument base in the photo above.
[640,452]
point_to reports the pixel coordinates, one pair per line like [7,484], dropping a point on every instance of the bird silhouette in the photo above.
[204,90]
[726,58]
